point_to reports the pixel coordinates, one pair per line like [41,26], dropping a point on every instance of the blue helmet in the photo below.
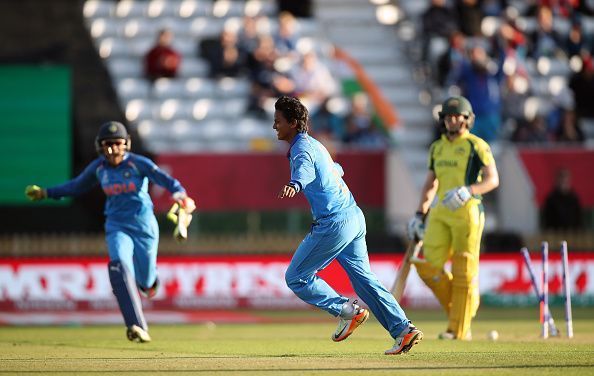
[110,131]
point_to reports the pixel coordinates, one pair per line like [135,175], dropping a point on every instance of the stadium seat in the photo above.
[203,27]
[132,88]
[193,67]
[109,47]
[185,46]
[250,128]
[198,87]
[124,67]
[216,129]
[172,109]
[131,8]
[194,8]
[98,8]
[233,108]
[140,27]
[229,87]
[227,8]
[106,27]
[138,110]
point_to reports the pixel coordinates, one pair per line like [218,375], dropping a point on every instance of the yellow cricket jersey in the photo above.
[459,162]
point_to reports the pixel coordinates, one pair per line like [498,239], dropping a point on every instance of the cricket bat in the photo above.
[414,247]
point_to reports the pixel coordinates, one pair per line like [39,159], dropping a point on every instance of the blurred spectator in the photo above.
[327,123]
[545,41]
[470,17]
[531,131]
[568,130]
[577,41]
[162,60]
[225,57]
[437,21]
[247,40]
[267,80]
[451,60]
[562,209]
[582,85]
[479,78]
[359,127]
[314,84]
[285,38]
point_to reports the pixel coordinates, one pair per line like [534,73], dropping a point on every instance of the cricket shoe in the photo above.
[346,327]
[136,333]
[405,341]
[151,291]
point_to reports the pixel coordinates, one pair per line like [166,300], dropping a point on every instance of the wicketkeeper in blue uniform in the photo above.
[131,229]
[338,232]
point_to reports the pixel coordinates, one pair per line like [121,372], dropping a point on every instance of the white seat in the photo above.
[138,110]
[199,87]
[185,46]
[109,47]
[124,67]
[249,128]
[169,88]
[206,108]
[193,67]
[140,27]
[98,8]
[152,130]
[227,8]
[180,27]
[130,8]
[173,109]
[132,88]
[229,87]
[255,8]
[193,8]
[233,108]
[162,8]
[203,27]
[139,46]
[105,27]
[185,130]
[215,129]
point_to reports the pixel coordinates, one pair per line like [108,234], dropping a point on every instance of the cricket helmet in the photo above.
[111,130]
[457,106]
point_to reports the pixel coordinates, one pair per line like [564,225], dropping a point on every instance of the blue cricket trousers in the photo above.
[342,237]
[136,248]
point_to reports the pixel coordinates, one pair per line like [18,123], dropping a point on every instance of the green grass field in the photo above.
[303,347]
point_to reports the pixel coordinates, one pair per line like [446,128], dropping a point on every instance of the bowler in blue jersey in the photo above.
[338,232]
[131,230]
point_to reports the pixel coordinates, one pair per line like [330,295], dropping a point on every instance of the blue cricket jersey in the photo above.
[128,203]
[314,172]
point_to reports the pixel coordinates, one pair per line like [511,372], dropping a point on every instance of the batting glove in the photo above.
[416,227]
[456,198]
[35,192]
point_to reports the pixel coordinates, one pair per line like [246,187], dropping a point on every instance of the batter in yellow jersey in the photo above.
[461,169]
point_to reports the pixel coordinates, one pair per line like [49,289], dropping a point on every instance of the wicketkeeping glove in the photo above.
[456,198]
[35,192]
[416,227]
[182,220]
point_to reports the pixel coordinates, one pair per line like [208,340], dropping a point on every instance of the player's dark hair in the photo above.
[293,110]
